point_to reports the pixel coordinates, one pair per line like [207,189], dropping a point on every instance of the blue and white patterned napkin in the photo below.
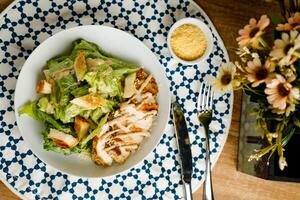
[29,22]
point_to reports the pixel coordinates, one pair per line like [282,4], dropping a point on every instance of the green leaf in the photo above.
[56,124]
[95,131]
[66,114]
[59,63]
[107,86]
[289,131]
[30,109]
[96,114]
[64,87]
[80,91]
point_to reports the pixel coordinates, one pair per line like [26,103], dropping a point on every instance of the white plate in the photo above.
[120,44]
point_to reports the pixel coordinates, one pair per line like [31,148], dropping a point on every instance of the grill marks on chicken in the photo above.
[129,125]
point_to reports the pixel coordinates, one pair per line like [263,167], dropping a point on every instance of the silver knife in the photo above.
[184,147]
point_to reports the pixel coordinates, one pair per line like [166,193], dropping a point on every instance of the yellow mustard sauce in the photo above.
[188,42]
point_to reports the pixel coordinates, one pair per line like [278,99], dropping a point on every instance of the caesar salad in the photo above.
[93,103]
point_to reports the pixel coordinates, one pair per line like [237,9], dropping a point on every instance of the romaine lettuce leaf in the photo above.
[59,63]
[80,91]
[91,50]
[95,131]
[107,86]
[45,106]
[64,87]
[32,110]
[67,113]
[96,114]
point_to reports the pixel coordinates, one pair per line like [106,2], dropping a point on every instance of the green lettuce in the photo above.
[64,87]
[32,110]
[49,145]
[107,86]
[45,105]
[80,91]
[92,50]
[59,63]
[67,113]
[95,131]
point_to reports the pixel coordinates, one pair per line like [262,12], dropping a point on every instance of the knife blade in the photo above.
[183,143]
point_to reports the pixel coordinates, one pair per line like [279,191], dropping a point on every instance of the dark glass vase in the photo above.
[250,139]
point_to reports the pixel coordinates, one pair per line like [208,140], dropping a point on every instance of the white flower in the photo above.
[282,163]
[284,48]
[225,79]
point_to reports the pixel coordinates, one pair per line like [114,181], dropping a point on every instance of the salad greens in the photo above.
[78,93]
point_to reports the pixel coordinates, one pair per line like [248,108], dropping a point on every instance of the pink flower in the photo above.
[258,73]
[280,92]
[252,31]
[293,23]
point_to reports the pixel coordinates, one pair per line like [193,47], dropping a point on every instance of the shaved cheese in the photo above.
[90,101]
[80,66]
[129,86]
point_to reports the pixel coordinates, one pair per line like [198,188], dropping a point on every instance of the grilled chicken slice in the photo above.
[119,154]
[99,155]
[62,140]
[129,125]
[43,87]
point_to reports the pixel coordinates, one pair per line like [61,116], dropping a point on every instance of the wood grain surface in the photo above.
[229,184]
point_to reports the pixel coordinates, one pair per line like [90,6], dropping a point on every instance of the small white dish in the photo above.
[208,36]
[114,41]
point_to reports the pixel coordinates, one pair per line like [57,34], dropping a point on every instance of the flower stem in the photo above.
[246,87]
[263,43]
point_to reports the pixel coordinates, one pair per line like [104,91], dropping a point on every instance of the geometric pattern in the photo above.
[29,22]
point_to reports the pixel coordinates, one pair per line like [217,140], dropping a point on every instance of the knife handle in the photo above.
[188,191]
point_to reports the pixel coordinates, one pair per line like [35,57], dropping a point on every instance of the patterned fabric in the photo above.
[29,22]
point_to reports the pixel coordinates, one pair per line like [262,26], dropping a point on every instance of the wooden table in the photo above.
[229,184]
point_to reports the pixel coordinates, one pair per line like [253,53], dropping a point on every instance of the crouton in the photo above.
[43,87]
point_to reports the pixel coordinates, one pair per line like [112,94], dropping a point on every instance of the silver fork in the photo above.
[204,109]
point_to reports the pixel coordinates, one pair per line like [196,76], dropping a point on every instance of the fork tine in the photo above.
[199,97]
[204,96]
[208,96]
[211,99]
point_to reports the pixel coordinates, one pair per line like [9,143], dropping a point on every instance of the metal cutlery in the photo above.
[184,147]
[204,108]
